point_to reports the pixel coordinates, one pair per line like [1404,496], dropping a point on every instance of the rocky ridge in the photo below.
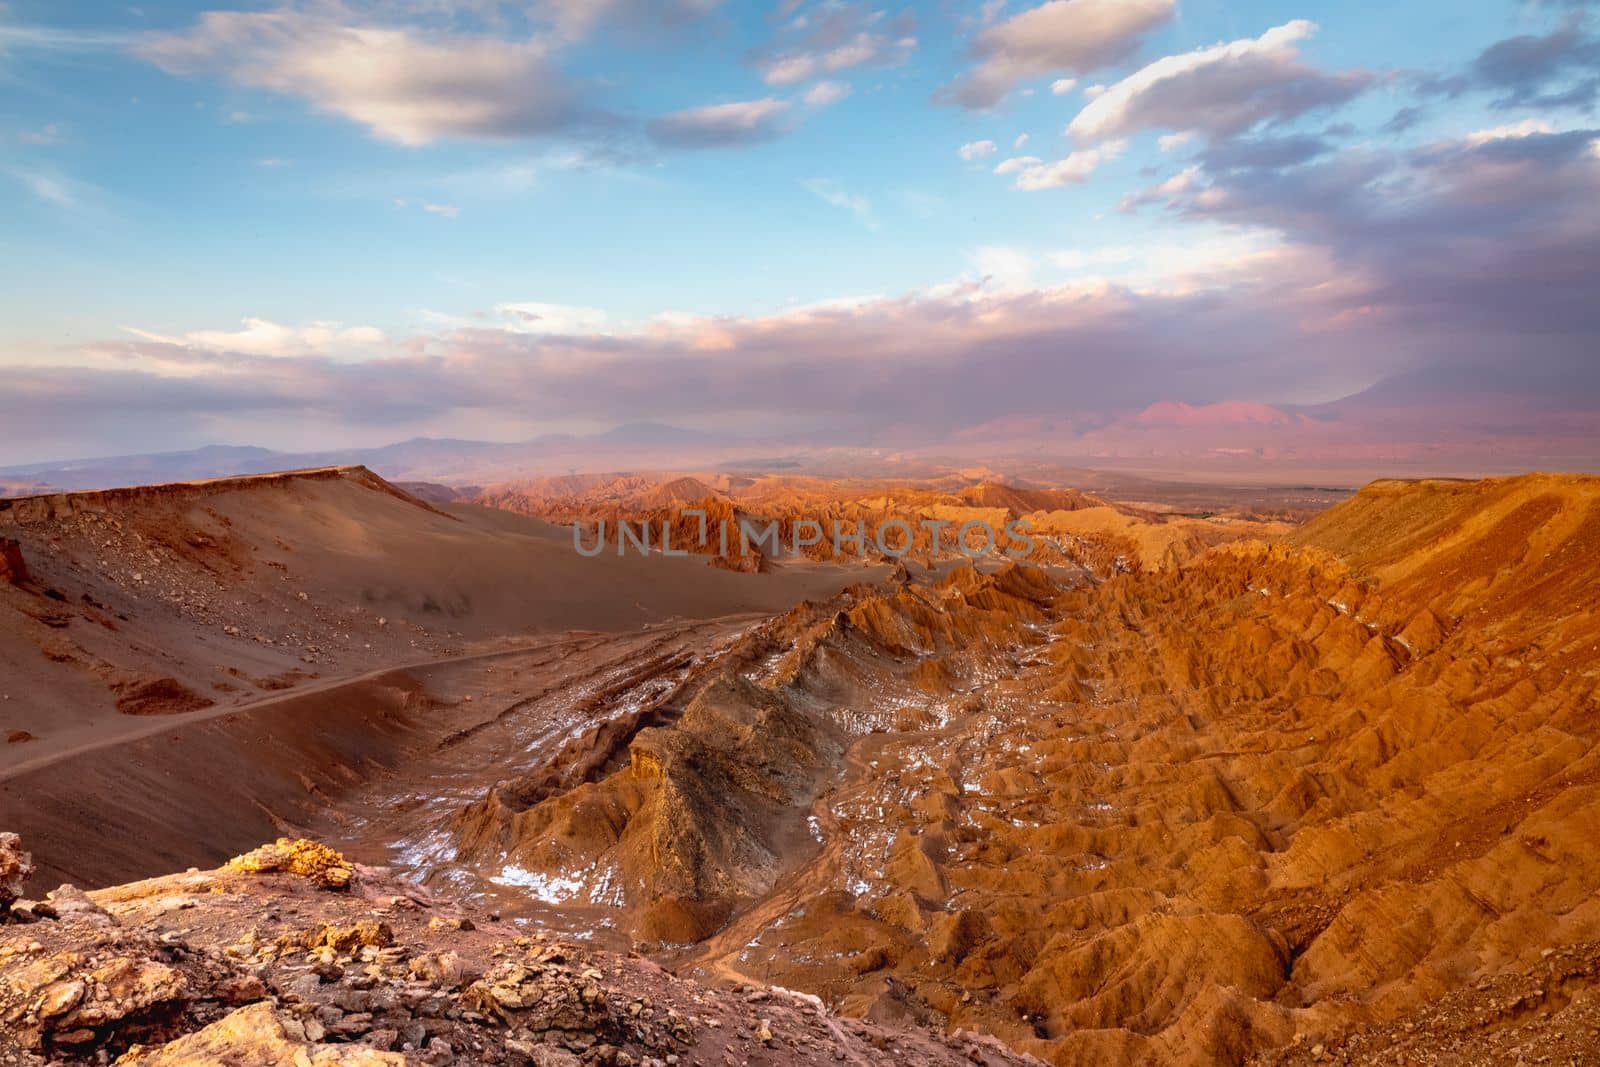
[290,955]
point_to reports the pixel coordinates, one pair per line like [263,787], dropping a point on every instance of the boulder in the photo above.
[16,866]
[254,1036]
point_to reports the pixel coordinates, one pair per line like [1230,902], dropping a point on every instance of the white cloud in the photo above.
[1169,141]
[1221,90]
[1006,266]
[563,319]
[1171,267]
[1077,259]
[830,192]
[976,150]
[720,125]
[1016,163]
[272,161]
[1070,35]
[835,37]
[1073,170]
[1511,131]
[1093,92]
[448,211]
[1021,140]
[864,49]
[49,187]
[261,337]
[1185,181]
[403,86]
[1063,86]
[824,93]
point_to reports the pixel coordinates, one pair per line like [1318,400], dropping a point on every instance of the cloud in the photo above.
[1063,86]
[1073,170]
[577,19]
[46,185]
[1168,141]
[1005,266]
[1062,35]
[1021,140]
[1525,128]
[1221,90]
[720,125]
[1532,70]
[824,93]
[44,135]
[1016,163]
[976,150]
[837,37]
[560,319]
[448,211]
[1404,119]
[1425,267]
[1270,152]
[1082,347]
[402,85]
[58,39]
[1459,251]
[262,337]
[1164,192]
[830,192]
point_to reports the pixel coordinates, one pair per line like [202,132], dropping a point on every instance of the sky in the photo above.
[1110,224]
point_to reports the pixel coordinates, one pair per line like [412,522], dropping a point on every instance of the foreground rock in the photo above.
[15,868]
[291,956]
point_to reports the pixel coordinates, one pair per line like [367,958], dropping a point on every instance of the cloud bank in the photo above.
[1498,242]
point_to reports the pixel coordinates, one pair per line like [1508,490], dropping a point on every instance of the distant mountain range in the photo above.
[420,458]
[1408,425]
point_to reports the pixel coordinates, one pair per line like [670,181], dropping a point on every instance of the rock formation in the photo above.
[260,964]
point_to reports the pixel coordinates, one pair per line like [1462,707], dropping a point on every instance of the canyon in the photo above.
[1186,786]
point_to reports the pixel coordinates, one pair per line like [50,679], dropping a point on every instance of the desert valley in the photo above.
[1268,782]
[712,533]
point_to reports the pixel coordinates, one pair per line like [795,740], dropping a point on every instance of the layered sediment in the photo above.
[1279,799]
[1327,797]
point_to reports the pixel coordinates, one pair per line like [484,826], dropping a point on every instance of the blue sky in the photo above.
[193,191]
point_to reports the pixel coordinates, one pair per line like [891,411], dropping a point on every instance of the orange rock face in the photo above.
[1269,803]
[1069,526]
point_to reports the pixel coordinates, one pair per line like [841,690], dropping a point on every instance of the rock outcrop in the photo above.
[266,963]
[16,867]
[1283,797]
[13,569]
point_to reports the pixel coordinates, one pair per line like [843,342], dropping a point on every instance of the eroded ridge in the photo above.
[686,811]
[1277,802]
